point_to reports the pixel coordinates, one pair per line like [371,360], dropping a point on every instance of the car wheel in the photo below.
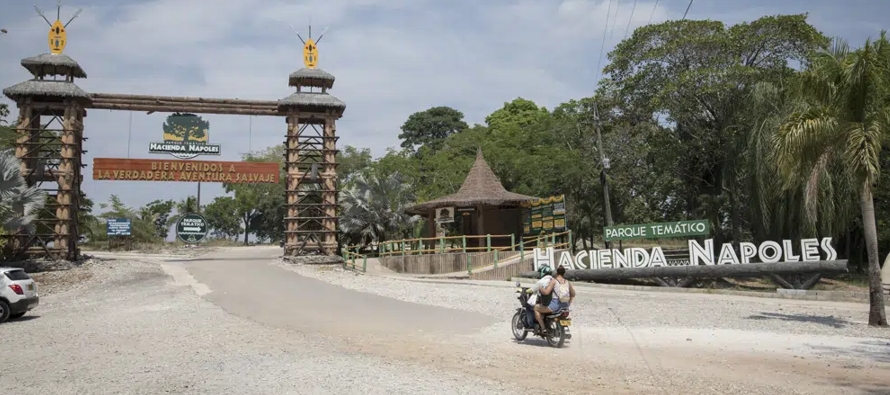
[16,316]
[4,311]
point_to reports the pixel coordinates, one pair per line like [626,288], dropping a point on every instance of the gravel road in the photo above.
[641,338]
[147,326]
[620,308]
[130,329]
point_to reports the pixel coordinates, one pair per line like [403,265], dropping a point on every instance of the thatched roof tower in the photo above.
[306,80]
[54,76]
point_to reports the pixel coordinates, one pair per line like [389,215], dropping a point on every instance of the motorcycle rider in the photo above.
[545,273]
[565,294]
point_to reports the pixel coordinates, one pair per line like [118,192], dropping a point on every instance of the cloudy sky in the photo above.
[391,58]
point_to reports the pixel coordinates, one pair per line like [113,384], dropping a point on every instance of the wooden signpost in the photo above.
[186,171]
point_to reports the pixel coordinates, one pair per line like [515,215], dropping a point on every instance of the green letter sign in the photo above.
[665,230]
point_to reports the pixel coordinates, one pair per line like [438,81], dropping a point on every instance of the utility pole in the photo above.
[604,179]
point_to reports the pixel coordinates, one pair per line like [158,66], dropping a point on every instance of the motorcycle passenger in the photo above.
[545,274]
[564,294]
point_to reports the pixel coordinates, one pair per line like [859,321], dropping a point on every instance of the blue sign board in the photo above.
[118,227]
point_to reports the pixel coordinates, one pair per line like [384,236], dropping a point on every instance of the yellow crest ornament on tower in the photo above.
[310,48]
[58,36]
[310,54]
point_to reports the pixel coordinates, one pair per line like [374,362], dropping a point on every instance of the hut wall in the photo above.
[502,222]
[427,263]
[506,271]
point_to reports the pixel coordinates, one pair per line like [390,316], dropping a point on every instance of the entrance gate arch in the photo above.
[50,135]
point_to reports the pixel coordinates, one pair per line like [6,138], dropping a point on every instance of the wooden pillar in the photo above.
[25,127]
[480,221]
[69,187]
[431,223]
[63,178]
[480,227]
[78,180]
[292,159]
[329,180]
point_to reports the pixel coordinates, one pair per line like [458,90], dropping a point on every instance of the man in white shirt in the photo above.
[546,274]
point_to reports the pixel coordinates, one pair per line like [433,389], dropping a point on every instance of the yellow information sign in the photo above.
[57,37]
[310,54]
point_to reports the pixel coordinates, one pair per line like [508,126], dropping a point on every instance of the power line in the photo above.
[617,7]
[627,29]
[602,47]
[687,9]
[653,12]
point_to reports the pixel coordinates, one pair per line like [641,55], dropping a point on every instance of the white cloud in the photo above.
[391,58]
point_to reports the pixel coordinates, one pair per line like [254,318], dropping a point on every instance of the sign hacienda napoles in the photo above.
[811,250]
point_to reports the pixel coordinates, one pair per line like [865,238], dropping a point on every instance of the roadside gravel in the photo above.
[619,308]
[128,329]
[132,328]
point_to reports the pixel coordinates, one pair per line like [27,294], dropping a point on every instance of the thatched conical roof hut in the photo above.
[486,207]
[481,187]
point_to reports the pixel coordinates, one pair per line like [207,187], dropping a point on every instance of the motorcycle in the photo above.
[524,322]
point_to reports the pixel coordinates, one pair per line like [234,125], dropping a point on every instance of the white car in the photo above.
[18,293]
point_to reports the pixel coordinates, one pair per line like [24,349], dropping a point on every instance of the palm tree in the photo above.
[843,120]
[19,203]
[776,211]
[373,208]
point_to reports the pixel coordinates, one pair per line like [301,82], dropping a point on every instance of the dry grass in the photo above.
[159,247]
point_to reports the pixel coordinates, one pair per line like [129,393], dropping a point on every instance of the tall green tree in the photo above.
[158,212]
[697,76]
[223,217]
[431,127]
[352,161]
[261,207]
[843,120]
[515,114]
[442,172]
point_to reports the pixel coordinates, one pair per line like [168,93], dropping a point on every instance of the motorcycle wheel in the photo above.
[518,328]
[557,335]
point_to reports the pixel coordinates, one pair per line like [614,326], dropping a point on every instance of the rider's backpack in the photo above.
[562,291]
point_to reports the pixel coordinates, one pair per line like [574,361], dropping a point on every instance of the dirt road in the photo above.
[225,322]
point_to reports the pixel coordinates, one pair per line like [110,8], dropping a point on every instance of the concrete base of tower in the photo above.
[314,259]
[311,249]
